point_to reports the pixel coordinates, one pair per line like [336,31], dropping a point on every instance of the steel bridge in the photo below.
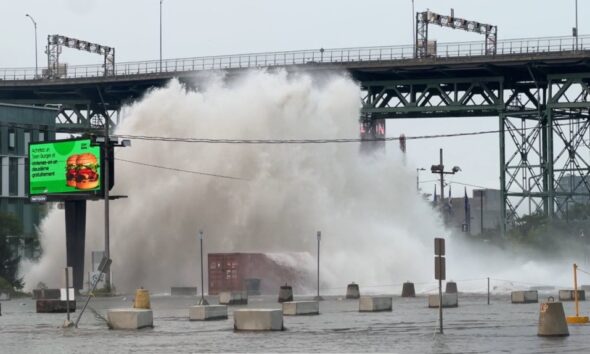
[537,88]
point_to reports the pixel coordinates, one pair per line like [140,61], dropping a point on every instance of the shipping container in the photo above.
[258,273]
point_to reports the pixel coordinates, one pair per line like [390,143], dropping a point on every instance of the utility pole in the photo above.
[440,170]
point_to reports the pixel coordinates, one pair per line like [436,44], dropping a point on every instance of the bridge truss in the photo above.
[543,122]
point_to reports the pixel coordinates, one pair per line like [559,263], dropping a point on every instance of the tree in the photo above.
[9,226]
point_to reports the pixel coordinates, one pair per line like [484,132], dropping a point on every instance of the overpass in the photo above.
[537,88]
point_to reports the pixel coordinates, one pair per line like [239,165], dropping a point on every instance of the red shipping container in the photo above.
[233,272]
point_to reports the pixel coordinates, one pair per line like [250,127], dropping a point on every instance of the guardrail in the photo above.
[316,56]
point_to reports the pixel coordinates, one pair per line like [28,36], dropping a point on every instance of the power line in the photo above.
[297,141]
[181,170]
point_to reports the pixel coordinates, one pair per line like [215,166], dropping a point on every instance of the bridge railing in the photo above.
[305,57]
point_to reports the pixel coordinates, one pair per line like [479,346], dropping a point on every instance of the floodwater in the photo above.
[473,327]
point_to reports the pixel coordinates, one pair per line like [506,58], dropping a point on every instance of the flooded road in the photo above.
[473,327]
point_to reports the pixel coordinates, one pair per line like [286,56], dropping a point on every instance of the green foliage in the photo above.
[536,230]
[9,226]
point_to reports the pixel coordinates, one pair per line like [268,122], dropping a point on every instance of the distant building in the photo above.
[20,125]
[485,204]
[575,184]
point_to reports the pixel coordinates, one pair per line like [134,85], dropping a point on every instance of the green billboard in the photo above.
[64,167]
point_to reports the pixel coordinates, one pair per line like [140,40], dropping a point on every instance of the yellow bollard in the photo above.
[142,299]
[577,319]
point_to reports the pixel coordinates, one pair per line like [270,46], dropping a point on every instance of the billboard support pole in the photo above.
[107,142]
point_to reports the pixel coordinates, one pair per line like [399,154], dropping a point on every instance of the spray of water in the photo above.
[376,230]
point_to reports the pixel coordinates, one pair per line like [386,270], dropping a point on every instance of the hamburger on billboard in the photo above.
[64,167]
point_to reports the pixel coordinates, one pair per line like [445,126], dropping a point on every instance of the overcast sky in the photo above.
[205,27]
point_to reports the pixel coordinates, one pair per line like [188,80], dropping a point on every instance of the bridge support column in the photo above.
[75,239]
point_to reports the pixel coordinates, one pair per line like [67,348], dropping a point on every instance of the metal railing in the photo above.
[307,57]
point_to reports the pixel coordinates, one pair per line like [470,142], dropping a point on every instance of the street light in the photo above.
[202,301]
[319,237]
[106,142]
[418,178]
[36,65]
[161,35]
[576,28]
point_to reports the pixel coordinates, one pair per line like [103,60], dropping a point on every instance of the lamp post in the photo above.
[418,178]
[107,145]
[35,25]
[161,35]
[576,31]
[319,237]
[202,301]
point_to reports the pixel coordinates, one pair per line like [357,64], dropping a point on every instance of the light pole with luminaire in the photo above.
[35,24]
[319,237]
[418,178]
[202,301]
[161,34]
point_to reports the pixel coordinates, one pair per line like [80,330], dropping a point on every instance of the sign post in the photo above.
[440,274]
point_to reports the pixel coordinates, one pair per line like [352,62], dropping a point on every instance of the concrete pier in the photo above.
[285,293]
[375,303]
[569,295]
[352,291]
[130,318]
[183,291]
[524,297]
[408,290]
[258,320]
[448,300]
[233,298]
[54,306]
[552,322]
[207,312]
[451,288]
[295,308]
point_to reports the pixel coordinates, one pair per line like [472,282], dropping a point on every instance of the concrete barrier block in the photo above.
[4,296]
[233,298]
[568,295]
[524,297]
[54,306]
[352,291]
[293,308]
[207,312]
[285,293]
[552,321]
[130,318]
[375,303]
[183,291]
[451,288]
[258,320]
[448,300]
[408,290]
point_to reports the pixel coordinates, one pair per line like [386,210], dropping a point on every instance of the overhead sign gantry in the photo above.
[424,48]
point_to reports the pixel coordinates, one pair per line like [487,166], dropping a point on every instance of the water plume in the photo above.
[375,228]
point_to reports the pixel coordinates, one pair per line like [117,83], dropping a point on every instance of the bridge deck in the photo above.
[515,59]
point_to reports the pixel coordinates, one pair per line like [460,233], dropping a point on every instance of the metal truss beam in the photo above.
[544,126]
